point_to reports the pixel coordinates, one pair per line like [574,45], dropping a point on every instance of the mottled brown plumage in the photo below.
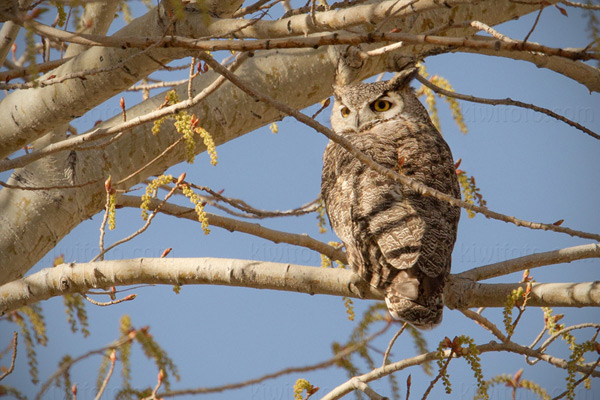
[395,239]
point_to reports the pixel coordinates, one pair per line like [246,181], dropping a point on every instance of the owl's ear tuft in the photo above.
[403,78]
[337,92]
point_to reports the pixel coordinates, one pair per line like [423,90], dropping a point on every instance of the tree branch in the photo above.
[506,102]
[462,293]
[82,277]
[234,225]
[566,255]
[378,373]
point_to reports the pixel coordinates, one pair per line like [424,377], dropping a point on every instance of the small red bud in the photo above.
[113,356]
[166,252]
[33,14]
[457,163]
[558,317]
[122,103]
[558,223]
[161,376]
[517,376]
[108,184]
[181,178]
[74,389]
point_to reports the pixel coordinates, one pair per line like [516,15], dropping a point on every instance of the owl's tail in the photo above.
[406,303]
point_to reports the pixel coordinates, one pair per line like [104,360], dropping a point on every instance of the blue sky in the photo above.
[525,164]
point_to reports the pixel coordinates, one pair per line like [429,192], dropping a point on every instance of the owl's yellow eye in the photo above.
[381,105]
[345,112]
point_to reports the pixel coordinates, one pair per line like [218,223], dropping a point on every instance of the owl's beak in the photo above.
[357,122]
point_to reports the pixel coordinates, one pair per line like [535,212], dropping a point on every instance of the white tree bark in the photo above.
[33,222]
[80,278]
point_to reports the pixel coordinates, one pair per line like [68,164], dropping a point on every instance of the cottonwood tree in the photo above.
[217,71]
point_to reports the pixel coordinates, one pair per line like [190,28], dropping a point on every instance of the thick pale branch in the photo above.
[80,278]
[581,72]
[464,293]
[313,41]
[566,255]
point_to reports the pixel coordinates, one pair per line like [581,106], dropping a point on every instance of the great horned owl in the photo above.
[396,239]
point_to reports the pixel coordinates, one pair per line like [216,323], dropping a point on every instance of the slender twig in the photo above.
[149,163]
[325,364]
[65,366]
[108,303]
[53,79]
[113,359]
[139,231]
[236,225]
[438,376]
[191,76]
[243,206]
[13,358]
[391,344]
[249,9]
[44,188]
[156,85]
[580,5]
[368,161]
[159,381]
[506,102]
[251,212]
[104,221]
[537,19]
[558,334]
[23,72]
[511,347]
[486,28]
[521,308]
[486,323]
[580,381]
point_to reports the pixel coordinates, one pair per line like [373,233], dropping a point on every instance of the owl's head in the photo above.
[361,106]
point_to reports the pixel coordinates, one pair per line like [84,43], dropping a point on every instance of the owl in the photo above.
[396,239]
